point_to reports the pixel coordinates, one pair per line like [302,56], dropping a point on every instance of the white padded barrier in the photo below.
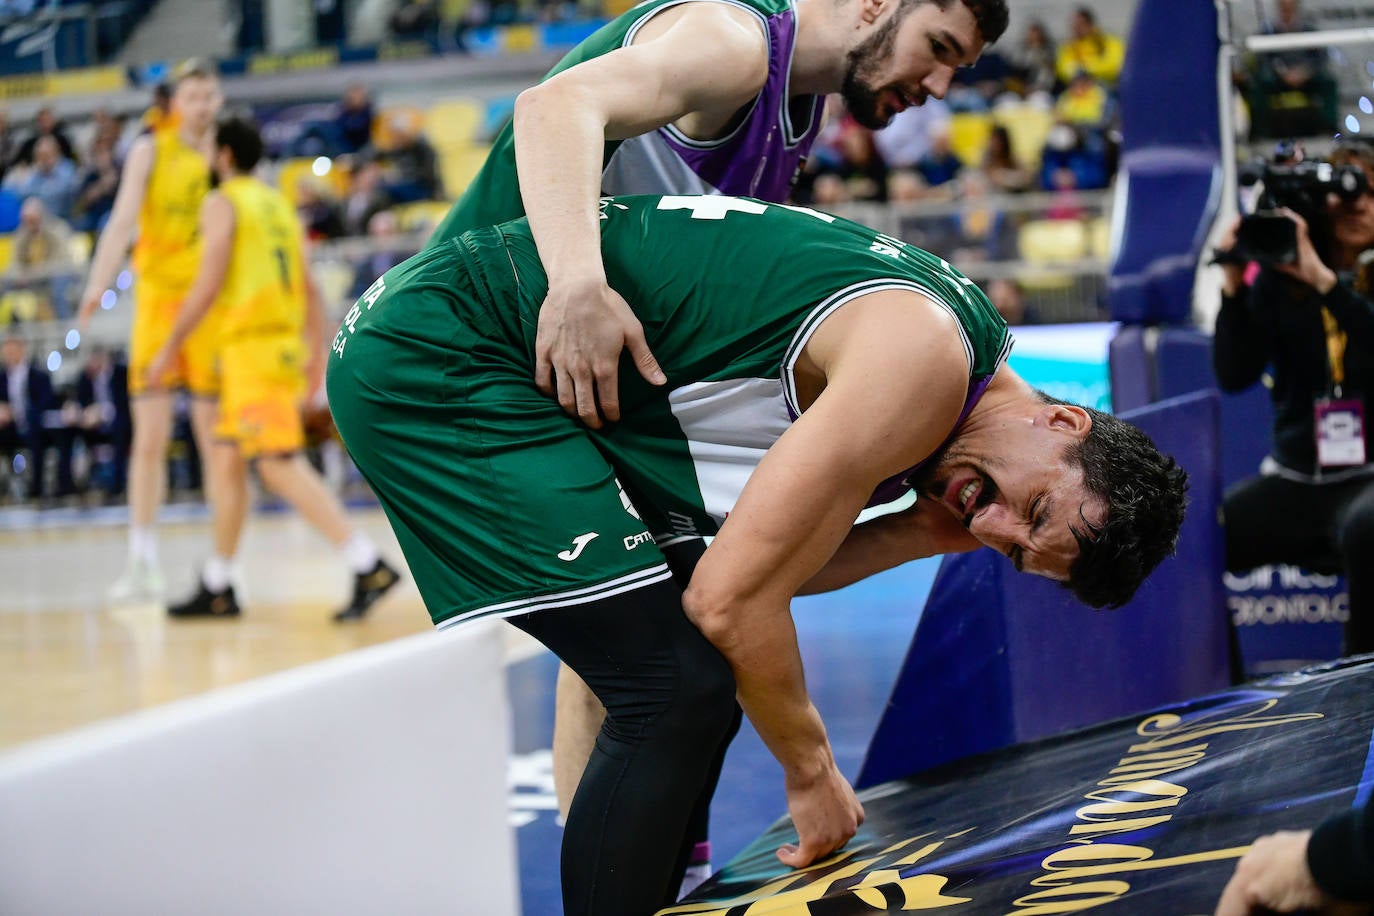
[374,782]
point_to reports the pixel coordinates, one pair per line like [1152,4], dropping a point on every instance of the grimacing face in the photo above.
[1020,497]
[908,57]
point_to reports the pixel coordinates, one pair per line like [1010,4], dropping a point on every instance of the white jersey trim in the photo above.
[576,596]
[672,129]
[828,306]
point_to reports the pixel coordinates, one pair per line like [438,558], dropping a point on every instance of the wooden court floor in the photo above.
[68,658]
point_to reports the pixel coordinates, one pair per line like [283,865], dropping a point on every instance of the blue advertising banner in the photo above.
[1147,813]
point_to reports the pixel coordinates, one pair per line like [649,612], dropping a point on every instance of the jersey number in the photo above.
[284,268]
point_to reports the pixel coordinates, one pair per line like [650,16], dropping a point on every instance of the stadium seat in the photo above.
[458,166]
[6,251]
[1100,238]
[80,247]
[1050,241]
[1028,127]
[384,124]
[968,136]
[453,124]
[421,216]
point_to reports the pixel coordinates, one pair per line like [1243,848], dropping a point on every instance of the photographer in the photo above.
[1310,322]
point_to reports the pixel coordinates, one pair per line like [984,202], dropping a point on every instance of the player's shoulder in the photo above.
[727,27]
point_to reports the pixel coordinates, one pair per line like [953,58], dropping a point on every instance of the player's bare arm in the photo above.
[888,378]
[118,233]
[316,352]
[921,530]
[706,58]
[217,231]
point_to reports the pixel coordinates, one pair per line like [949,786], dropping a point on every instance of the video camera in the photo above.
[1302,185]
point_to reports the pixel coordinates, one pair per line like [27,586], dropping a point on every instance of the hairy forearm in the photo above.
[558,150]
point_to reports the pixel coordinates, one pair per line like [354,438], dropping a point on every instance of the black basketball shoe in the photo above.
[367,588]
[206,603]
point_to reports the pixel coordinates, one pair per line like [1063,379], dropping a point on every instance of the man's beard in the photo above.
[861,63]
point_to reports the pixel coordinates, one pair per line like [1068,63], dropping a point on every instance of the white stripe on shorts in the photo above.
[584,595]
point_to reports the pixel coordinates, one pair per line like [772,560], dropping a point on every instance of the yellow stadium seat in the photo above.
[453,124]
[6,251]
[422,215]
[289,175]
[384,124]
[1044,242]
[1028,127]
[1100,238]
[459,166]
[968,136]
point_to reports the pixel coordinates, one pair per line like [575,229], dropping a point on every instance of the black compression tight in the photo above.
[670,704]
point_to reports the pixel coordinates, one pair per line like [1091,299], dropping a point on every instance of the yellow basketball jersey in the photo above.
[168,248]
[263,291]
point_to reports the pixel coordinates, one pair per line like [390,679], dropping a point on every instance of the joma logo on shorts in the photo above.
[579,542]
[635,540]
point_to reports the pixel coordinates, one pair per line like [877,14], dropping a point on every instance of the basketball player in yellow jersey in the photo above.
[252,277]
[165,178]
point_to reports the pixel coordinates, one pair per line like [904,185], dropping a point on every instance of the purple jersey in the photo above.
[761,157]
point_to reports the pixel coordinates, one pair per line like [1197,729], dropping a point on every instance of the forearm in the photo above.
[110,251]
[771,686]
[869,549]
[559,143]
[1239,353]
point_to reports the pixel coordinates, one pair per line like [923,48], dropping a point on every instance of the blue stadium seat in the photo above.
[9,211]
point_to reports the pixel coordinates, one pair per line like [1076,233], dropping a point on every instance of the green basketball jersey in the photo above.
[729,291]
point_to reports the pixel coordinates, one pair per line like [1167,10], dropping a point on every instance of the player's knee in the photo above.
[706,694]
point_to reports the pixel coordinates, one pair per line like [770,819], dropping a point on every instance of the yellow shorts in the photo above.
[262,383]
[155,311]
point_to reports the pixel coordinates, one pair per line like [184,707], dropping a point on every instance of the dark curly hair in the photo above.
[990,15]
[1145,492]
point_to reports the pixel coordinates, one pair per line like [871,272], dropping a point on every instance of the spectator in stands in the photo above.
[52,178]
[384,231]
[414,165]
[939,165]
[1310,324]
[981,231]
[9,147]
[1000,165]
[159,114]
[1073,160]
[1327,870]
[414,19]
[42,248]
[99,183]
[353,124]
[1084,103]
[317,211]
[108,134]
[976,88]
[1091,50]
[1009,298]
[365,197]
[844,164]
[26,397]
[46,125]
[910,135]
[1034,63]
[99,416]
[1292,93]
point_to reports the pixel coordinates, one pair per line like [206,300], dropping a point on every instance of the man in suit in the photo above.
[99,416]
[26,396]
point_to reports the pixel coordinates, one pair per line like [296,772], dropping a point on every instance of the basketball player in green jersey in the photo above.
[813,367]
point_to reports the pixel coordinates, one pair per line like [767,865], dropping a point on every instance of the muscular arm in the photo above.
[800,503]
[698,58]
[119,230]
[923,530]
[313,330]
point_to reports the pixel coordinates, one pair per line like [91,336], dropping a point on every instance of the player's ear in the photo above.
[870,11]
